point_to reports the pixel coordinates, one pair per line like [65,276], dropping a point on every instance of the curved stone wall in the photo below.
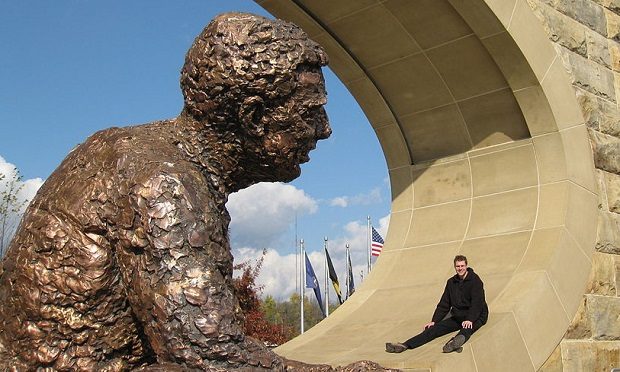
[488,156]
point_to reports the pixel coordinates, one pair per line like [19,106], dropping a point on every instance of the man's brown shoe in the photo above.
[395,347]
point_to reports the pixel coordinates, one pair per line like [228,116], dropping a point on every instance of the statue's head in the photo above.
[259,80]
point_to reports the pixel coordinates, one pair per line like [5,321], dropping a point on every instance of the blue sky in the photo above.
[70,68]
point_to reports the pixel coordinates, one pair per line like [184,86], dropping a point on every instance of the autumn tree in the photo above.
[248,292]
[269,305]
[11,207]
[288,312]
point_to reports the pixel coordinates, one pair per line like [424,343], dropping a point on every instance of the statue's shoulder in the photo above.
[143,150]
[169,178]
[145,140]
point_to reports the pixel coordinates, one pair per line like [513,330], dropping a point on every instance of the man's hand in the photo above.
[467,324]
[429,325]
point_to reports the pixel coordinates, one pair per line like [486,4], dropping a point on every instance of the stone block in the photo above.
[612,189]
[554,362]
[597,318]
[598,48]
[589,108]
[608,233]
[606,151]
[602,279]
[562,29]
[585,12]
[602,194]
[600,114]
[590,356]
[603,3]
[614,55]
[579,328]
[603,313]
[616,84]
[613,5]
[609,118]
[617,260]
[613,25]
[589,75]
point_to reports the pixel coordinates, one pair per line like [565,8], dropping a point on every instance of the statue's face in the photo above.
[293,129]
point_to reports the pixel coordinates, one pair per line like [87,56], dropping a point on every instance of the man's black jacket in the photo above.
[464,299]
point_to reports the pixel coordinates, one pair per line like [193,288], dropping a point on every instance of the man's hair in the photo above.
[240,55]
[460,258]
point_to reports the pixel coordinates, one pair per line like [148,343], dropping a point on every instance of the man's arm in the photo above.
[477,301]
[443,307]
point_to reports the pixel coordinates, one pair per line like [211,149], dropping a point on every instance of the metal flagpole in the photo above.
[368,242]
[347,273]
[297,255]
[303,284]
[326,279]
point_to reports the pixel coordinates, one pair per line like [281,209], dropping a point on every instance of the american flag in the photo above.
[377,243]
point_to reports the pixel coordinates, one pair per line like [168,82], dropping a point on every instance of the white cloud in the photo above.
[355,235]
[372,197]
[262,213]
[280,277]
[341,201]
[26,191]
[277,275]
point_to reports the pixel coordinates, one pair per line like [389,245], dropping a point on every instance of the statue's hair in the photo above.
[242,55]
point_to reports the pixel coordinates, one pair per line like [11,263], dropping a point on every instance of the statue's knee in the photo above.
[162,367]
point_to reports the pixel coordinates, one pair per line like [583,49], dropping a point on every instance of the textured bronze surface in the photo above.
[122,261]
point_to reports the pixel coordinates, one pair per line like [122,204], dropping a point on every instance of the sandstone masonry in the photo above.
[586,35]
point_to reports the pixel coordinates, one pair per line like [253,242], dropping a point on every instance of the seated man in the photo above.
[463,298]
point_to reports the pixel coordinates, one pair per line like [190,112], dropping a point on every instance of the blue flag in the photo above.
[313,282]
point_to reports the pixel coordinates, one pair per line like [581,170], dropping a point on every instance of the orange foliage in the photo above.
[248,293]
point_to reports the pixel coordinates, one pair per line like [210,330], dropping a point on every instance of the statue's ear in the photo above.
[251,114]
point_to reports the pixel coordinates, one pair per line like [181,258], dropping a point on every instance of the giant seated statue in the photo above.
[122,261]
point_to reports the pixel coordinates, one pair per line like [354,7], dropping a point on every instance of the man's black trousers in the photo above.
[442,328]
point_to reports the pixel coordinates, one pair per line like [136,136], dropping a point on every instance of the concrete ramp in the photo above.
[488,157]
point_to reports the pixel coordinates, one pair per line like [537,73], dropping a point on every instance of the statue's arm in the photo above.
[177,269]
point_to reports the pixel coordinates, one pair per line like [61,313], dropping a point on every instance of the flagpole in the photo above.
[303,285]
[297,255]
[368,242]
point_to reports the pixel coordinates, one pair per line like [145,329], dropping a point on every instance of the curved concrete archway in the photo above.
[488,156]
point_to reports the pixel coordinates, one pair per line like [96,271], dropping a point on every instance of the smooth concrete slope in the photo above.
[488,157]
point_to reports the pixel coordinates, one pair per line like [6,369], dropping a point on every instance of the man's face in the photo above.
[293,128]
[460,267]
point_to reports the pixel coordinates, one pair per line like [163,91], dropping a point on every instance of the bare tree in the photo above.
[11,206]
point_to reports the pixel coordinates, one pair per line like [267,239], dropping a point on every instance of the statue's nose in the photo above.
[323,129]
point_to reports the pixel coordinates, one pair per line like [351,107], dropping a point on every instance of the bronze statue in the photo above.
[122,261]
